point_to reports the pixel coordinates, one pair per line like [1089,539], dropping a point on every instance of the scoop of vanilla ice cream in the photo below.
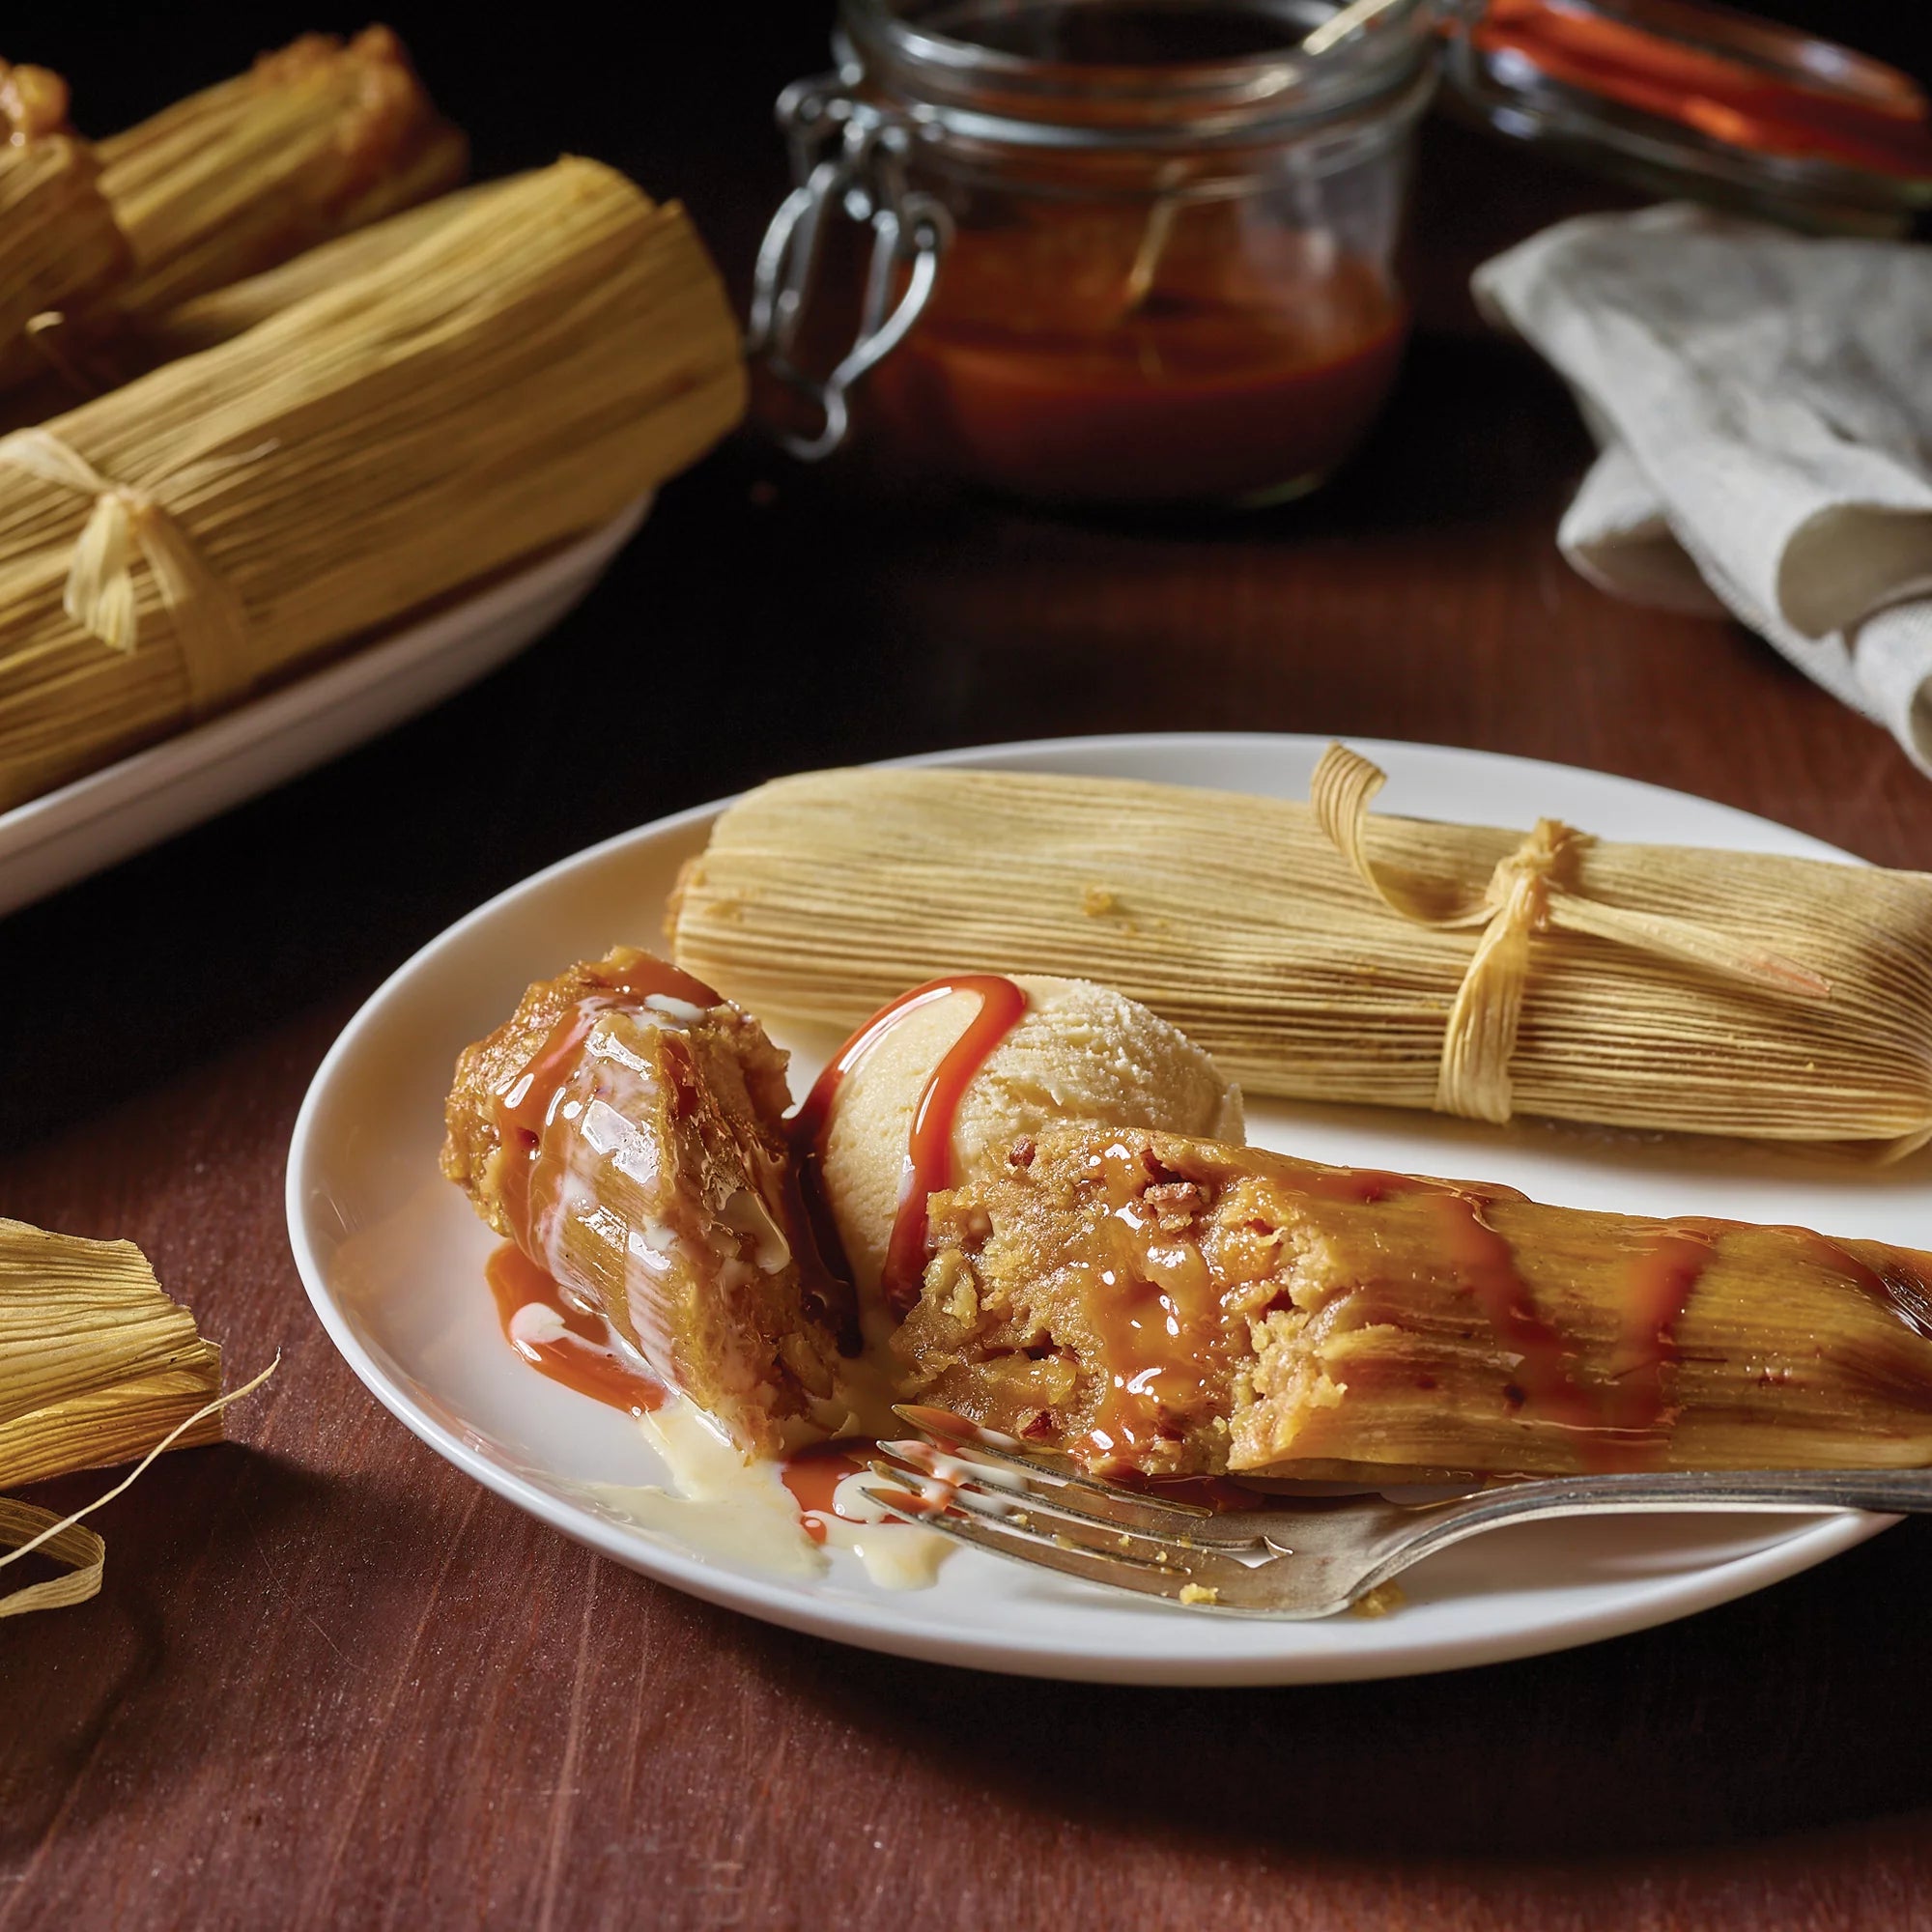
[1081,1054]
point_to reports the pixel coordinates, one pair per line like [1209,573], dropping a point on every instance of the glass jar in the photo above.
[1121,251]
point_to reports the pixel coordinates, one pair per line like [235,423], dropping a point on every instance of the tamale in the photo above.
[1170,1306]
[316,139]
[1332,955]
[518,376]
[59,242]
[97,1364]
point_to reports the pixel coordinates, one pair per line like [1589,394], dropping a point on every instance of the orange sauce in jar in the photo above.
[1144,352]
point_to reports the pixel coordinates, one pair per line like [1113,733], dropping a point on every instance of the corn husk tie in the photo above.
[99,593]
[1530,892]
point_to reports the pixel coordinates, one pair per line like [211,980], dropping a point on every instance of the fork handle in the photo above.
[1889,1492]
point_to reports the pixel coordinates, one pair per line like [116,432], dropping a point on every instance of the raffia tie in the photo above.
[210,622]
[1530,892]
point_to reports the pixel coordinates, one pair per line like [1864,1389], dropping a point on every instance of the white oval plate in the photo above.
[137,802]
[393,1258]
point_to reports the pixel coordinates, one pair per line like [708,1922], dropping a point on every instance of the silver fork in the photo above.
[1302,1557]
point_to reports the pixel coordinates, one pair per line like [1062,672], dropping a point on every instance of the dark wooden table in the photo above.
[332,1682]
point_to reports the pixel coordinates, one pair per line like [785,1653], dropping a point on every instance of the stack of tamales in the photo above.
[526,368]
[268,388]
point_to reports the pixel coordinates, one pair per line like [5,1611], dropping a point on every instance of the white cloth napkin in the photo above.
[1764,405]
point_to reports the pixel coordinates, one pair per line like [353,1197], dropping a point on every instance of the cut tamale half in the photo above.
[523,373]
[314,140]
[1653,987]
[96,1363]
[1155,1304]
[59,242]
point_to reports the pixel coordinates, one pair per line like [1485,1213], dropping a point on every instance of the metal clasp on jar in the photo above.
[848,157]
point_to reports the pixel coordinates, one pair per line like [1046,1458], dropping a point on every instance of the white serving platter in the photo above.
[137,802]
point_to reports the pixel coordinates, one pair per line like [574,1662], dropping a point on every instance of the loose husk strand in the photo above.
[28,1528]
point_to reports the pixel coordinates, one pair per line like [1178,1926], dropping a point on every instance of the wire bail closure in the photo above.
[848,156]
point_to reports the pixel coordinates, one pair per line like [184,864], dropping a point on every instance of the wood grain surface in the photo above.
[330,1682]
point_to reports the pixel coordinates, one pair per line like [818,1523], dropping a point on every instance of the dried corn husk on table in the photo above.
[1330,955]
[314,140]
[59,242]
[522,374]
[98,1365]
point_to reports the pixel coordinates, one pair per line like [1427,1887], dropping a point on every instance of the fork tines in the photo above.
[1046,1536]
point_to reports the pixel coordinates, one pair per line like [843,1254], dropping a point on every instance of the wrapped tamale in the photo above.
[522,374]
[1325,954]
[314,140]
[59,242]
[1153,1304]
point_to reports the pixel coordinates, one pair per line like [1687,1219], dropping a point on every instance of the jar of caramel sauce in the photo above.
[1112,252]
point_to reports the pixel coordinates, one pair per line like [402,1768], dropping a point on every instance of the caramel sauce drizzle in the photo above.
[523,1107]
[583,1357]
[1898,1288]
[1663,1274]
[1159,1316]
[1662,1278]
[1156,1307]
[928,1157]
[1486,1264]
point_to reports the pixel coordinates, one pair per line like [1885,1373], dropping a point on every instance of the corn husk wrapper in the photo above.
[314,140]
[225,313]
[1336,956]
[59,242]
[87,359]
[521,375]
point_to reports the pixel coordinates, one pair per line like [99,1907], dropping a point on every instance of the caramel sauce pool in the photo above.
[576,1351]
